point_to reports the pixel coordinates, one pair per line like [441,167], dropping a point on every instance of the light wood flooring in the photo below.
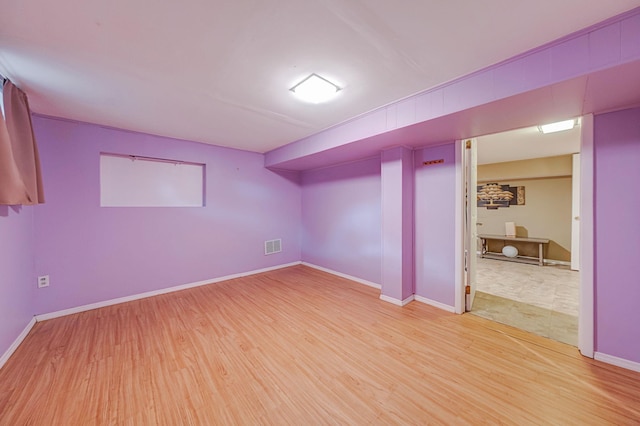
[298,346]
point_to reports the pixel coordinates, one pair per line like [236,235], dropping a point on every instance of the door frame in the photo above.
[575,212]
[586,319]
[460,231]
[586,324]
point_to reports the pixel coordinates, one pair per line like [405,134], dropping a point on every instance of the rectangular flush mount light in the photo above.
[315,89]
[557,127]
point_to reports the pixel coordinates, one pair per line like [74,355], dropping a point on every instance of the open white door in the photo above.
[575,213]
[471,219]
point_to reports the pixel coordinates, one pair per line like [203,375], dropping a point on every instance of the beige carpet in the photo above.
[542,300]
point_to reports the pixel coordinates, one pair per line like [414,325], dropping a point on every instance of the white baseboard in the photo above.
[83,308]
[383,297]
[435,304]
[5,357]
[340,274]
[619,362]
[397,302]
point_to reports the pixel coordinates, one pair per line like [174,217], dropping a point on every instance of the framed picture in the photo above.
[494,195]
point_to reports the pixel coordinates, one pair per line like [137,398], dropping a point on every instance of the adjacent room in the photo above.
[248,213]
[541,170]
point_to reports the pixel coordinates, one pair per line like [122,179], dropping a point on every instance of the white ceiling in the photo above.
[219,71]
[527,143]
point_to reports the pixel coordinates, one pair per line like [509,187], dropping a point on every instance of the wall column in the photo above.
[397,225]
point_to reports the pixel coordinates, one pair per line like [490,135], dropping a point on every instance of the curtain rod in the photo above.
[158,160]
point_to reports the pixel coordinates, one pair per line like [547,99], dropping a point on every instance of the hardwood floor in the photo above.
[299,346]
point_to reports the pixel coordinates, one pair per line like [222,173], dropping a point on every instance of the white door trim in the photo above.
[586,323]
[575,212]
[471,223]
[459,229]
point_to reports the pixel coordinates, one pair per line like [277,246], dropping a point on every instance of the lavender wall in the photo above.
[435,217]
[617,233]
[397,223]
[341,219]
[17,275]
[94,254]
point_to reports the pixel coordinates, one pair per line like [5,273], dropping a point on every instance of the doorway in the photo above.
[541,170]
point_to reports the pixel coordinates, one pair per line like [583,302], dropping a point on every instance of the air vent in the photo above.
[272,246]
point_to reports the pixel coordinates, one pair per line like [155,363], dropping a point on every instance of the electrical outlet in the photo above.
[43,281]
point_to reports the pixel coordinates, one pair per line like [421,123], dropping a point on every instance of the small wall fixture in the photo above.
[315,89]
[557,127]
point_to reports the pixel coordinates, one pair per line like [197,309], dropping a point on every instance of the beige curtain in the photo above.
[20,177]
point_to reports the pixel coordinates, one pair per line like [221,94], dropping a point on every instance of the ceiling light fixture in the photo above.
[557,127]
[315,89]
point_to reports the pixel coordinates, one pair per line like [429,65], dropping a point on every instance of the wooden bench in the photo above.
[484,253]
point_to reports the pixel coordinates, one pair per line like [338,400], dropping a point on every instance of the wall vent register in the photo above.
[272,246]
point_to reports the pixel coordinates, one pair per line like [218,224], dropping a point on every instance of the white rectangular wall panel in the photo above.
[129,181]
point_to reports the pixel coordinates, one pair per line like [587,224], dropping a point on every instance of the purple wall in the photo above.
[342,228]
[341,219]
[435,189]
[94,254]
[397,223]
[17,275]
[617,233]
